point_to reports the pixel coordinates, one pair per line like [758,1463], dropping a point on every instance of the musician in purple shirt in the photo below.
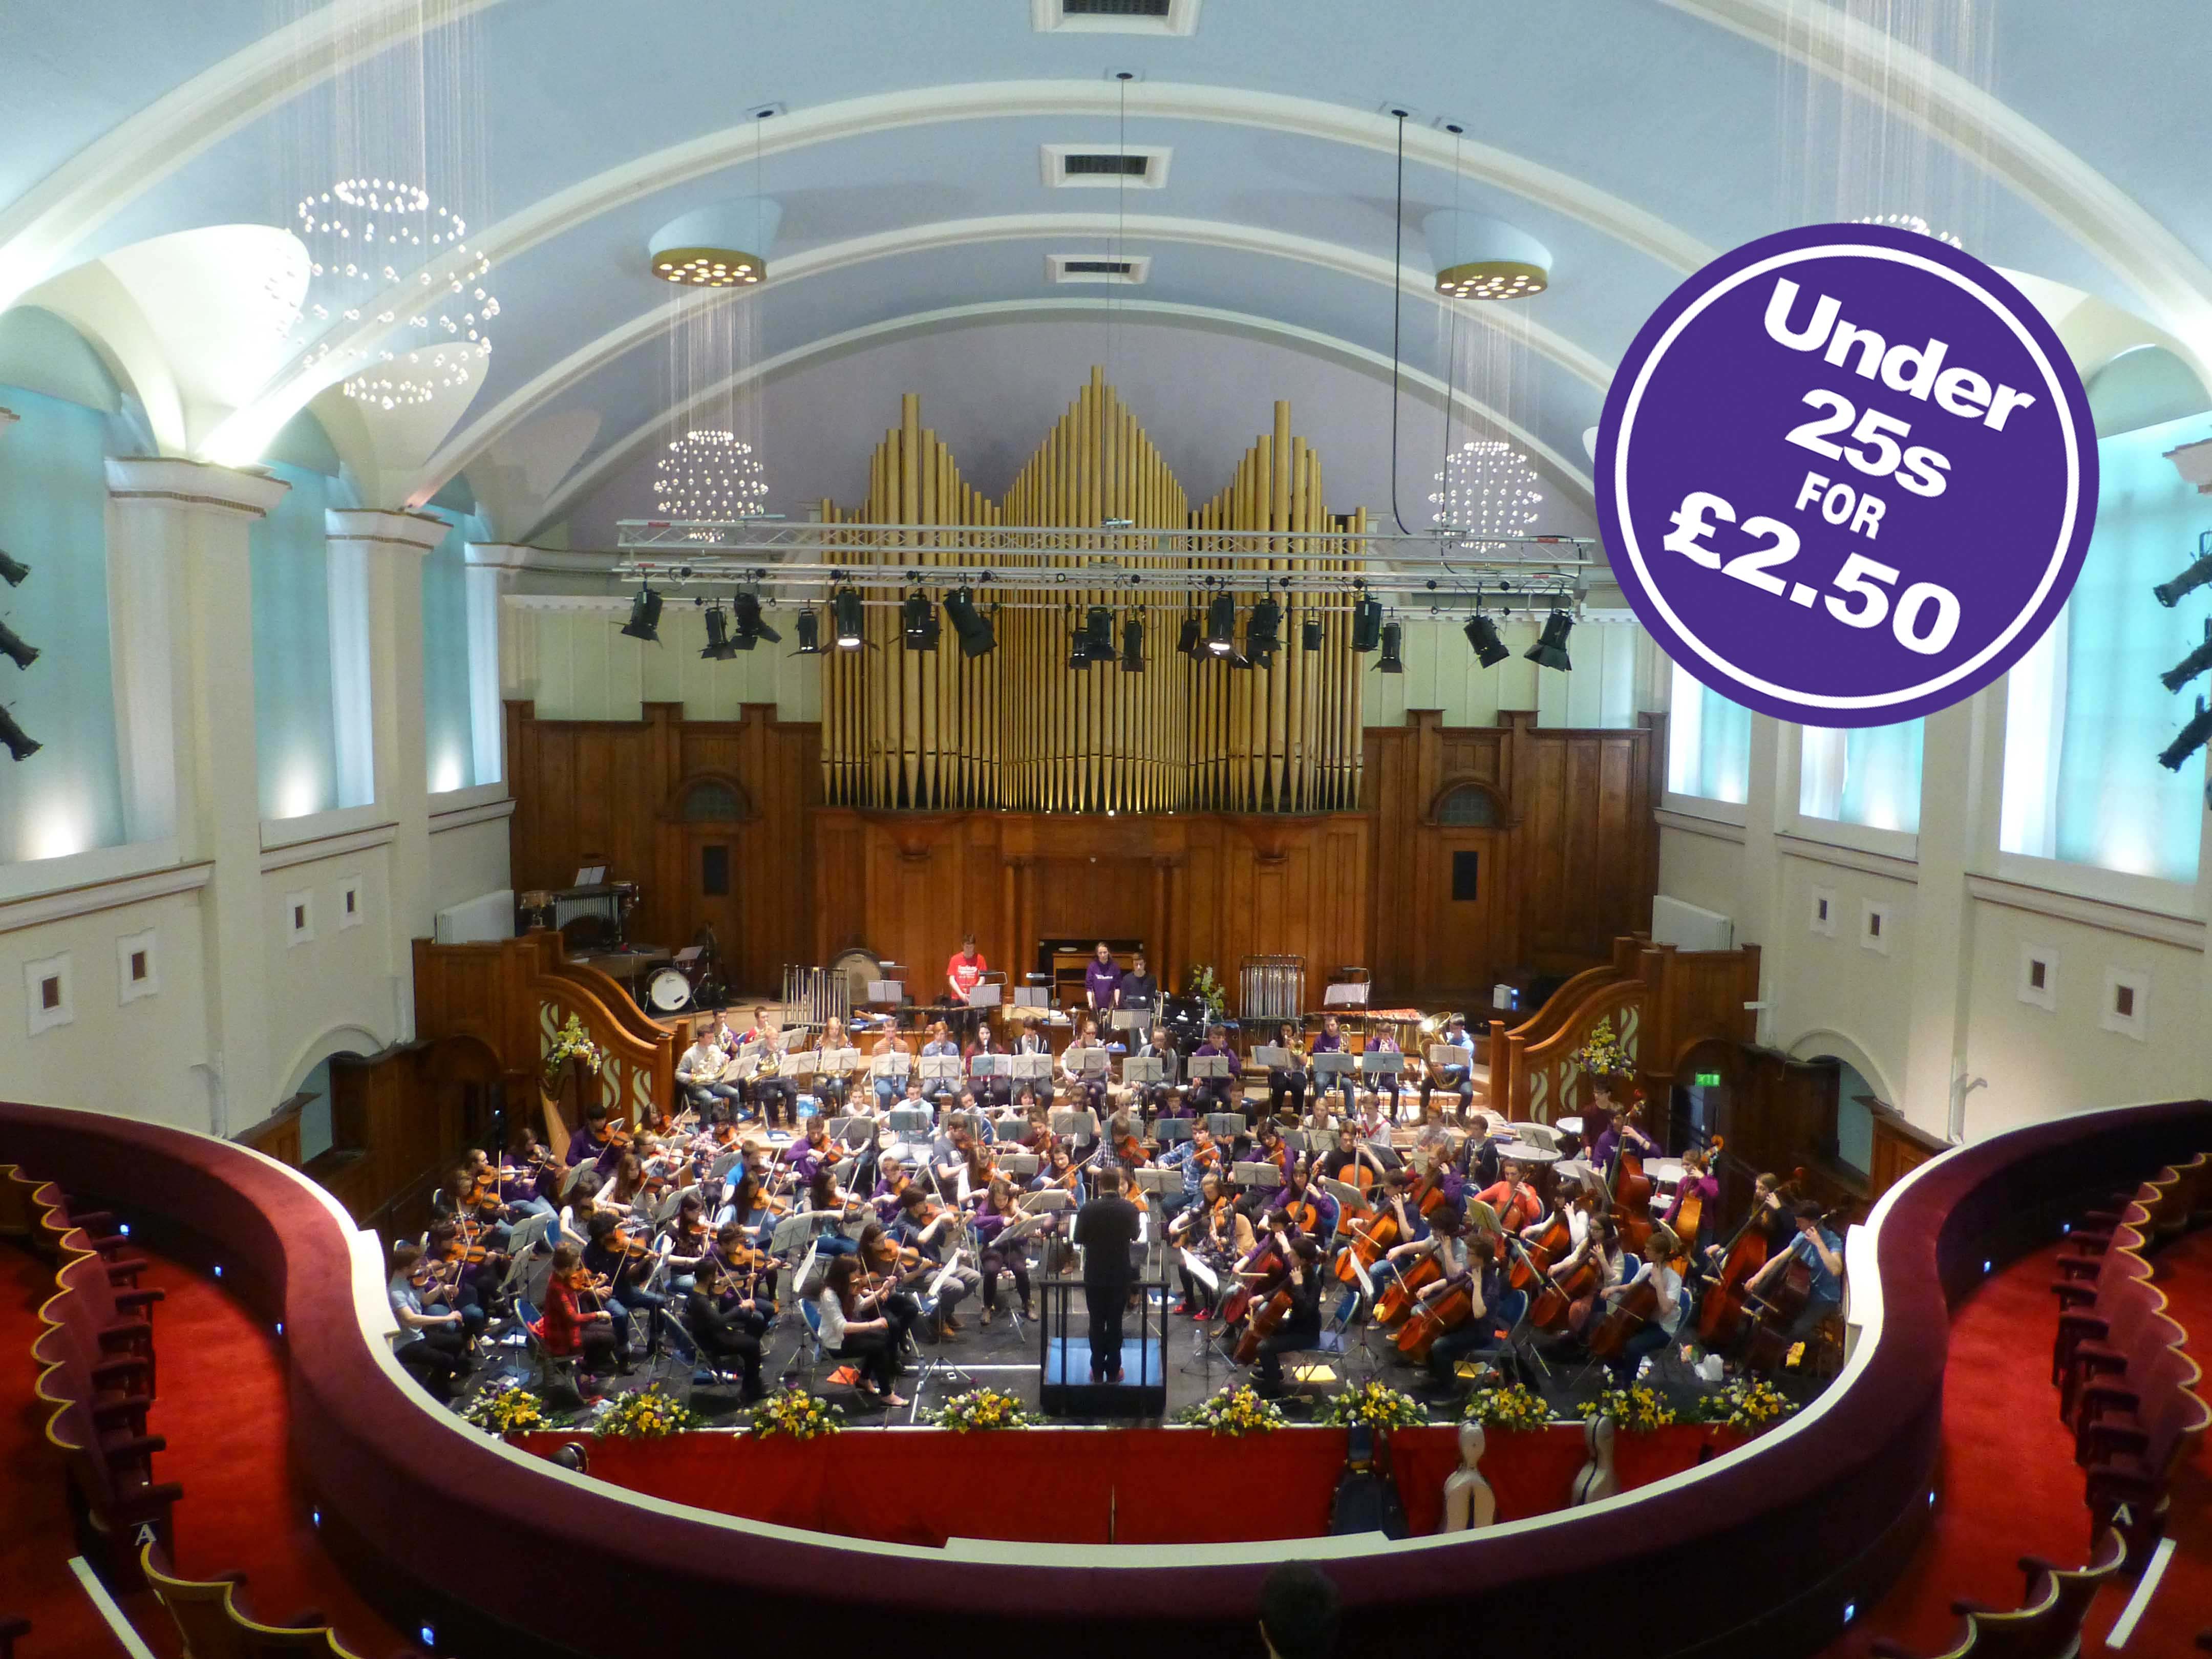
[1212,1094]
[589,1143]
[1102,978]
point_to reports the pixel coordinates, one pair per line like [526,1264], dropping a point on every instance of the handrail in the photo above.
[1842,1483]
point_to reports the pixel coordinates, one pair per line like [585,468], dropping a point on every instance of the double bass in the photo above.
[1632,1198]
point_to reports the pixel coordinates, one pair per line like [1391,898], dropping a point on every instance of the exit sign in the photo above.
[1707,1080]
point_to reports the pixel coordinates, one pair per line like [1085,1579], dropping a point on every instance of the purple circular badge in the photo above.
[1846,475]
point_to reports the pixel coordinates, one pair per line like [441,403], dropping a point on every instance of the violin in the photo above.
[619,1243]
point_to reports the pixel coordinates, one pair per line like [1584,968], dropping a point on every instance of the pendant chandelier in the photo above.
[708,478]
[380,251]
[1486,494]
[1912,222]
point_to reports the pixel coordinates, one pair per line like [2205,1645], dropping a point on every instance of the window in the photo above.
[138,966]
[712,801]
[299,918]
[1869,776]
[2038,977]
[1113,16]
[714,871]
[1822,917]
[46,983]
[1470,807]
[1708,743]
[351,910]
[1466,870]
[2127,1002]
[1875,926]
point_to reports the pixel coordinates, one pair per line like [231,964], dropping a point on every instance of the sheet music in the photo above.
[1275,1058]
[1148,1069]
[804,1063]
[892,1066]
[1086,1062]
[1377,1063]
[1444,1054]
[1030,1068]
[1205,1066]
[1333,1063]
[841,1061]
[993,1065]
[940,1068]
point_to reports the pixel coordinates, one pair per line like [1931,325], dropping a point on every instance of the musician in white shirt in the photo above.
[704,1059]
[889,1089]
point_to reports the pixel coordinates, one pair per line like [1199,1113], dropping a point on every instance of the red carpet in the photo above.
[2010,1487]
[223,1406]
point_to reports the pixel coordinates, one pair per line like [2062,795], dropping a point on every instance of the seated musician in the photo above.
[1196,1157]
[1822,1253]
[827,1210]
[1061,1172]
[430,1344]
[622,1191]
[702,1060]
[895,1278]
[889,1089]
[1297,1192]
[1698,1182]
[1079,1090]
[1657,1332]
[813,1151]
[1495,1312]
[527,1184]
[1770,1214]
[1216,1094]
[625,1275]
[773,1097]
[952,1150]
[1164,1098]
[940,1044]
[1286,1084]
[1301,1327]
[1033,1041]
[689,1244]
[470,1285]
[1220,1234]
[1442,1240]
[1626,1131]
[996,1211]
[589,1143]
[850,1331]
[1331,1042]
[1373,1115]
[997,1091]
[830,1087]
[569,1331]
[747,1207]
[932,1228]
[722,1324]
[1457,1075]
[1480,1155]
[1413,1227]
[1600,1245]
[1518,1204]
[1349,1156]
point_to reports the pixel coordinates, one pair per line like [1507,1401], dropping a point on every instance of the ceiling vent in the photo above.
[1114,17]
[1137,167]
[1097,267]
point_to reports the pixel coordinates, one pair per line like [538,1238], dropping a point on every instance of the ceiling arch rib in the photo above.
[617,187]
[518,405]
[1569,470]
[40,227]
[2062,186]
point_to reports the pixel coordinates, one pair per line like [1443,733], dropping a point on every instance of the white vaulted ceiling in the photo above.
[1633,139]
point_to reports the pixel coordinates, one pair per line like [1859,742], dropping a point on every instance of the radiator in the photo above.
[491,916]
[1686,927]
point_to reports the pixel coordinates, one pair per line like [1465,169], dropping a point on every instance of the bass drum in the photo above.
[669,991]
[860,969]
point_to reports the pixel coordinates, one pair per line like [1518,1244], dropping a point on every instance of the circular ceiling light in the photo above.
[708,267]
[1478,258]
[1912,222]
[724,246]
[1491,279]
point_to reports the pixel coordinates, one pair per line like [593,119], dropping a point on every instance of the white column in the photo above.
[390,546]
[1770,800]
[182,594]
[492,568]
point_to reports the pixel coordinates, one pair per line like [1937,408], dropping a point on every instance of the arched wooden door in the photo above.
[706,819]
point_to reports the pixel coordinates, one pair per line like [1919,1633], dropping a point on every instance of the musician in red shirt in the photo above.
[963,973]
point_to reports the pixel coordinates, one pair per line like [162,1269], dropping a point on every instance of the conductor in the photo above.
[1106,1228]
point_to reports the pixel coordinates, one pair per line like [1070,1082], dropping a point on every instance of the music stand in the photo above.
[1345,994]
[986,996]
[1080,1123]
[1273,1056]
[1256,1176]
[1198,1067]
[1202,1345]
[1226,1126]
[1171,1131]
[1089,1061]
[1332,1063]
[1052,1198]
[1139,1020]
[890,991]
[1137,1070]
[1024,1164]
[1448,1054]
[1032,1068]
[909,1120]
[1161,1184]
[1032,996]
[897,1066]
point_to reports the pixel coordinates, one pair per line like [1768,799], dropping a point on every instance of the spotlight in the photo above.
[1132,647]
[845,618]
[1186,640]
[1098,634]
[1550,651]
[2191,740]
[970,625]
[13,644]
[919,623]
[1392,640]
[810,634]
[1078,646]
[1262,633]
[1309,633]
[644,621]
[12,571]
[1482,635]
[1221,625]
[2168,593]
[2188,668]
[750,627]
[719,647]
[21,745]
[1366,625]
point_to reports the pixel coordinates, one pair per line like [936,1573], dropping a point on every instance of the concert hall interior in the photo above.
[965,911]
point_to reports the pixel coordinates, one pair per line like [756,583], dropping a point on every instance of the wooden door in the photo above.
[1454,915]
[712,898]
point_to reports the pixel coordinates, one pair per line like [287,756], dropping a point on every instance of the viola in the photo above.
[619,1243]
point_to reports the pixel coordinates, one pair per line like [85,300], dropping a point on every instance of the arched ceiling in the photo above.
[1632,138]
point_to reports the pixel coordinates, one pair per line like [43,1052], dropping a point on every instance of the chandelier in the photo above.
[708,478]
[1912,222]
[1487,492]
[381,252]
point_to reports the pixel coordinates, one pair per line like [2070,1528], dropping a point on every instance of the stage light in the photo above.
[719,648]
[751,625]
[1482,635]
[2188,668]
[1309,633]
[1098,634]
[1366,625]
[1262,633]
[1132,647]
[1221,625]
[2169,593]
[21,744]
[845,619]
[969,625]
[1186,640]
[2191,740]
[12,571]
[810,634]
[13,644]
[1079,645]
[1392,640]
[1550,651]
[644,621]
[919,623]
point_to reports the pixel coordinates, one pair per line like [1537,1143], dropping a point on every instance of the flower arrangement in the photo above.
[1375,1404]
[506,1409]
[1637,1410]
[1602,1055]
[1749,1405]
[795,1413]
[982,1408]
[645,1415]
[571,1043]
[1200,982]
[1237,1410]
[1514,1407]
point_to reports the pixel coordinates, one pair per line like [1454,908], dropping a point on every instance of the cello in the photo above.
[1723,1313]
[1549,1311]
[1445,1312]
[1637,1307]
[1369,1242]
[1270,1315]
